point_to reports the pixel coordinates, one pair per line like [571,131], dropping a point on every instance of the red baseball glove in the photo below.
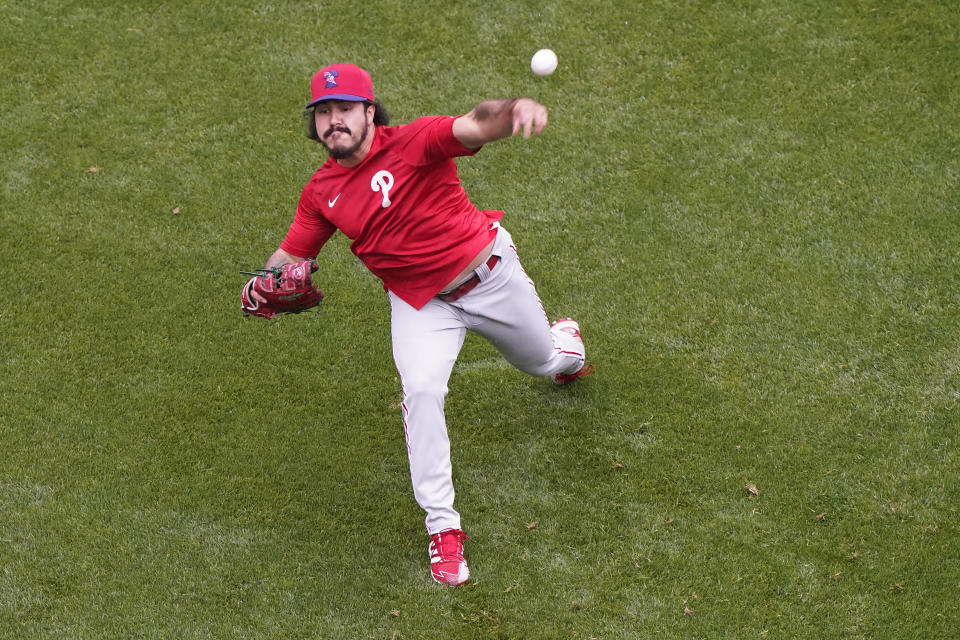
[287,289]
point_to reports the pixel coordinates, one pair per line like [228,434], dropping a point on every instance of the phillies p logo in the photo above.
[382,182]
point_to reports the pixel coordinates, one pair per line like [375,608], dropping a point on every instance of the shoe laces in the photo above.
[448,544]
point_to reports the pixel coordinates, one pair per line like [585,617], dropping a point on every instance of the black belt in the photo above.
[467,285]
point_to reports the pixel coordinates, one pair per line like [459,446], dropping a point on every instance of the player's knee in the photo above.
[422,389]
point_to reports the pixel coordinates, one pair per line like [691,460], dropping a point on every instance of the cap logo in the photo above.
[331,78]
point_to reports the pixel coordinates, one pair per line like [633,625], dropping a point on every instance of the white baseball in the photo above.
[543,62]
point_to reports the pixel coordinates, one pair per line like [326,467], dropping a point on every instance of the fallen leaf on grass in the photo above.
[932,528]
[820,516]
[668,521]
[687,611]
[533,525]
[176,211]
[618,466]
[896,587]
[750,487]
[94,169]
[395,613]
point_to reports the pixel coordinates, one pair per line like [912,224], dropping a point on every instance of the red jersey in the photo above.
[403,206]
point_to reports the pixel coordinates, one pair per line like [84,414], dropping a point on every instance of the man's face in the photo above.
[342,126]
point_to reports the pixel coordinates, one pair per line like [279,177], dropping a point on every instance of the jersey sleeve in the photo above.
[430,139]
[309,230]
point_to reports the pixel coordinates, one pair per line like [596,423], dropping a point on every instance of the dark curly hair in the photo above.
[380,118]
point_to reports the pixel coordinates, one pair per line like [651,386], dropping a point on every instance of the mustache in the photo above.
[339,128]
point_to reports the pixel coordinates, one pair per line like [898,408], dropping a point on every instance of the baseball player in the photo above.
[446,265]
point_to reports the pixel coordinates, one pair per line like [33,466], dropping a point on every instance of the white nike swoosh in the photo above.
[334,201]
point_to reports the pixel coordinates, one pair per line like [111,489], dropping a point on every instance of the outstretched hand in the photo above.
[500,118]
[529,116]
[281,289]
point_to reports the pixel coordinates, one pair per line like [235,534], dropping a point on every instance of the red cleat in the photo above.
[570,326]
[567,378]
[447,565]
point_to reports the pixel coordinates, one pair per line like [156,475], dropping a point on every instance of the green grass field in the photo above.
[752,207]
